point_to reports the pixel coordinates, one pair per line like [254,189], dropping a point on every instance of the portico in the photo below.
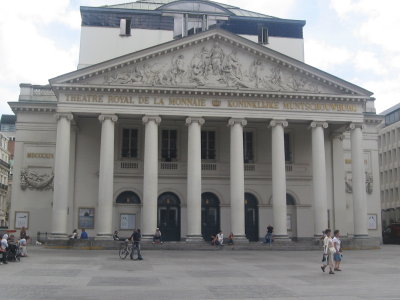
[157,144]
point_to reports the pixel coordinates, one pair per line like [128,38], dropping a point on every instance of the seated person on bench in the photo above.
[157,236]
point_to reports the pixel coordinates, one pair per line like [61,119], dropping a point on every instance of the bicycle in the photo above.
[125,249]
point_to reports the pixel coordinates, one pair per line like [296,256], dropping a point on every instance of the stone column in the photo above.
[61,176]
[150,176]
[279,179]
[194,179]
[319,177]
[106,178]
[358,180]
[339,195]
[237,178]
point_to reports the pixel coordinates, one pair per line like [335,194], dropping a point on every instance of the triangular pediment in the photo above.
[216,60]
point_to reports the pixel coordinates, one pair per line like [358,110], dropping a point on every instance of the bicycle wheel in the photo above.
[123,252]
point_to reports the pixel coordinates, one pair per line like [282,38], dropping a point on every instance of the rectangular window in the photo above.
[288,148]
[208,145]
[263,36]
[129,143]
[125,27]
[248,147]
[169,145]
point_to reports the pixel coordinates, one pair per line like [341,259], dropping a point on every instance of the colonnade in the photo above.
[104,227]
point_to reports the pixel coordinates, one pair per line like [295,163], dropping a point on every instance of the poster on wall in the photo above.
[372,221]
[127,221]
[86,218]
[21,219]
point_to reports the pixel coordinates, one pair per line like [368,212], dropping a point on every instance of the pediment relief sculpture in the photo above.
[36,180]
[212,64]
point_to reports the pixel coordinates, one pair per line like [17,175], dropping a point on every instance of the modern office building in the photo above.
[389,161]
[195,116]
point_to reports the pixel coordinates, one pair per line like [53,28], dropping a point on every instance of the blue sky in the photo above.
[356,40]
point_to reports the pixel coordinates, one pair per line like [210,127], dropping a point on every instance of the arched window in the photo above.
[128,197]
[290,200]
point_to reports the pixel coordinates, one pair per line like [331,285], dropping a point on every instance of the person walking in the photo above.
[337,256]
[136,237]
[329,250]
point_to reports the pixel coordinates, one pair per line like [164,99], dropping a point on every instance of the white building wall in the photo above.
[289,46]
[99,44]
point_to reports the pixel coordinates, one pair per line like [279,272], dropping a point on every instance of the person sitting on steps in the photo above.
[157,237]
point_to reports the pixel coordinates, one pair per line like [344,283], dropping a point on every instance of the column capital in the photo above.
[190,120]
[156,119]
[67,116]
[355,125]
[233,121]
[113,118]
[315,124]
[275,123]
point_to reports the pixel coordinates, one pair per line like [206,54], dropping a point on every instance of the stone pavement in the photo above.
[95,275]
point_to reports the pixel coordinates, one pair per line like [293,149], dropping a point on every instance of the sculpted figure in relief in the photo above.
[211,66]
[35,181]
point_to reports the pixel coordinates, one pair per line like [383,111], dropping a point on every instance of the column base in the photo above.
[147,237]
[281,238]
[240,239]
[103,237]
[194,239]
[58,236]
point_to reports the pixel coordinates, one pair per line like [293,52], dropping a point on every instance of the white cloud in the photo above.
[324,56]
[368,61]
[385,91]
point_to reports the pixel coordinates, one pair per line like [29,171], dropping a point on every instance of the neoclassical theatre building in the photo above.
[195,116]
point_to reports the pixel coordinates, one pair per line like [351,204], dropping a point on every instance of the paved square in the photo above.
[282,275]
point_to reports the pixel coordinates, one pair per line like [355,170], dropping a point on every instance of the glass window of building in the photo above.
[169,145]
[208,145]
[288,148]
[248,147]
[129,143]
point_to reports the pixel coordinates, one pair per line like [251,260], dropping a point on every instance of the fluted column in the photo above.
[279,179]
[150,177]
[106,178]
[237,178]
[339,195]
[61,176]
[319,177]
[194,179]
[358,180]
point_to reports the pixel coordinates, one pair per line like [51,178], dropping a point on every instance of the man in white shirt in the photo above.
[220,238]
[3,248]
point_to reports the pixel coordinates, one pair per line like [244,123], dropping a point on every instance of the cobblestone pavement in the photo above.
[95,275]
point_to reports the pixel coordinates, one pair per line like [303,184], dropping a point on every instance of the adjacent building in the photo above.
[4,173]
[195,116]
[389,161]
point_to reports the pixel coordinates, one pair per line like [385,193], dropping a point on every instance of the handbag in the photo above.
[324,258]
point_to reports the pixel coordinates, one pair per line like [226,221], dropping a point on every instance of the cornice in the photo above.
[33,107]
[199,91]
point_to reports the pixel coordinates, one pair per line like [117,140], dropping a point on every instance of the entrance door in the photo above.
[251,217]
[210,215]
[169,217]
